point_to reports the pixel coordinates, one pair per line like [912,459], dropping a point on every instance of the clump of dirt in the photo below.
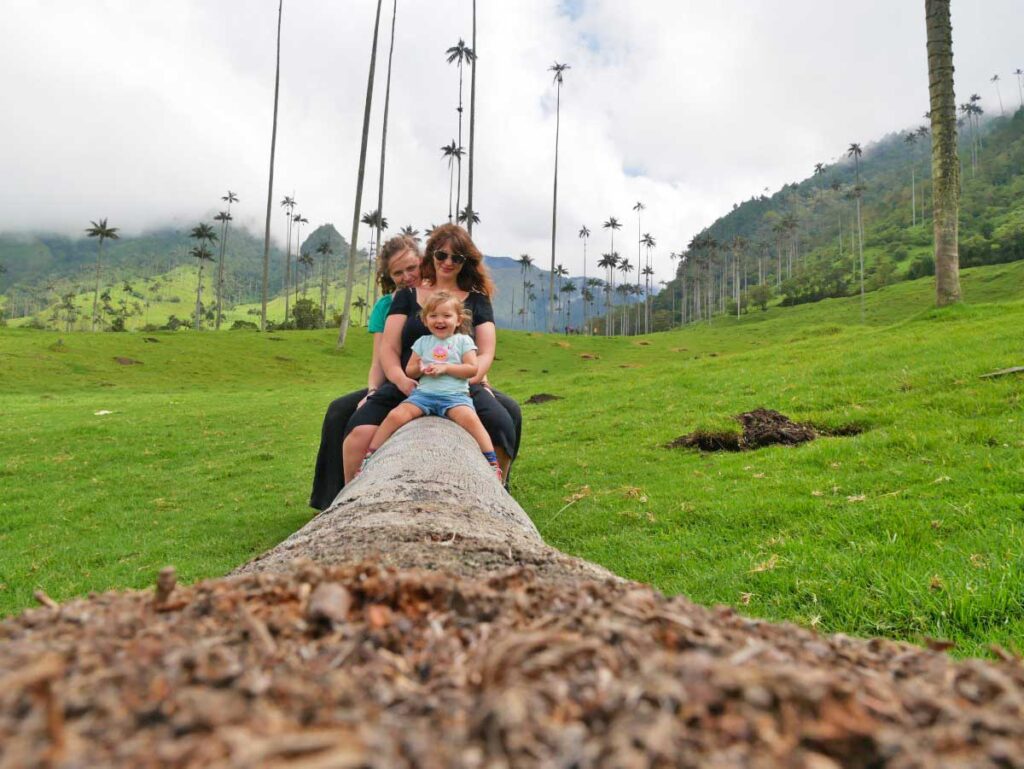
[706,440]
[765,427]
[589,356]
[543,398]
[151,339]
[761,427]
[359,666]
[127,361]
[842,431]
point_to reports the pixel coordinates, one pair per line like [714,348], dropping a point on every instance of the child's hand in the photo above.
[435,369]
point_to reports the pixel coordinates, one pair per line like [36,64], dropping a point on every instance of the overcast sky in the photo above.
[147,111]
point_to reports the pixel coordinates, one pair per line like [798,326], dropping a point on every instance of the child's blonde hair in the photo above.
[439,298]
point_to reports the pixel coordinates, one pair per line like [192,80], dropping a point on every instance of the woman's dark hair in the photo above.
[395,246]
[474,275]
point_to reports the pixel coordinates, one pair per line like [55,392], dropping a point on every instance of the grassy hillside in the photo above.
[912,528]
[897,218]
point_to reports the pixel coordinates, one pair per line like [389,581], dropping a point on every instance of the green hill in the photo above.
[122,453]
[800,239]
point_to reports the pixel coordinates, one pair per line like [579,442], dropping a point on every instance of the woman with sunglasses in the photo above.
[399,266]
[453,264]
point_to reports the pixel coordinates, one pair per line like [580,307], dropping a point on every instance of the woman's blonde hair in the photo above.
[439,298]
[395,246]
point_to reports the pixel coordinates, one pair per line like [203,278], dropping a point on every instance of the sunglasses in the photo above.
[444,256]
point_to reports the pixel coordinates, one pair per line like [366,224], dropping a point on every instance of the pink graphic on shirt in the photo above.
[440,353]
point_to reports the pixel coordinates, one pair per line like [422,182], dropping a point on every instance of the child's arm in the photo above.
[465,370]
[413,368]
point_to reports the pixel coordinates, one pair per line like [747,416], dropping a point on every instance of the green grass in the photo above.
[913,528]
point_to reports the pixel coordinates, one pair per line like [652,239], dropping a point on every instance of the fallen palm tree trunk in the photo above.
[517,656]
[427,500]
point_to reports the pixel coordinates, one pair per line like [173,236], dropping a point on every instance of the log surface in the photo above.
[427,499]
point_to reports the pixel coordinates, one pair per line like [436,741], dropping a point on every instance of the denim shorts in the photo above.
[432,404]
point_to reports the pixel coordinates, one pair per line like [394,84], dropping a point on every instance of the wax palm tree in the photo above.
[611,225]
[453,152]
[625,267]
[223,217]
[945,162]
[525,261]
[299,220]
[910,140]
[460,54]
[469,216]
[569,289]
[229,198]
[409,232]
[559,70]
[995,81]
[584,235]
[608,262]
[855,152]
[360,304]
[288,204]
[639,208]
[350,278]
[325,251]
[376,222]
[102,231]
[306,260]
[204,255]
[472,124]
[648,242]
[1020,85]
[270,183]
[384,134]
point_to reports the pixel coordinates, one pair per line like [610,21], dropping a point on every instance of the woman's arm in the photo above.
[390,354]
[486,342]
[375,377]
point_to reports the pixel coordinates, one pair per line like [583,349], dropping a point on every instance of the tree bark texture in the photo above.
[270,183]
[350,278]
[945,162]
[429,500]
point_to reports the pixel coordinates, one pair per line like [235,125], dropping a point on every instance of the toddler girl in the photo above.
[444,361]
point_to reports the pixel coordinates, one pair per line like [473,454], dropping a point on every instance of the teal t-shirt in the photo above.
[450,350]
[379,314]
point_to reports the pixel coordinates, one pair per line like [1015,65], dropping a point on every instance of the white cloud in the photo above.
[146,112]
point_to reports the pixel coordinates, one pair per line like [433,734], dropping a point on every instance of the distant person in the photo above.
[443,361]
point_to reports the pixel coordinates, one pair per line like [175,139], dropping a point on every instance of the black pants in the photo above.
[500,415]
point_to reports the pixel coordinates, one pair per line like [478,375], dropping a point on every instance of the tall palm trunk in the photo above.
[472,128]
[96,292]
[220,269]
[945,163]
[350,279]
[288,263]
[270,184]
[384,141]
[584,288]
[458,158]
[199,302]
[554,207]
[913,195]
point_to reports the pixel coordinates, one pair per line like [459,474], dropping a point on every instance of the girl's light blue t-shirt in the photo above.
[379,314]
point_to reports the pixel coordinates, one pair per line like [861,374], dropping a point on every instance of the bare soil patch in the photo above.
[543,398]
[127,361]
[359,666]
[761,427]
